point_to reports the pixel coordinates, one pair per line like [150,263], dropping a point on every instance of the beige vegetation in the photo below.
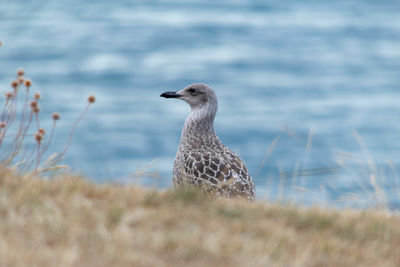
[68,221]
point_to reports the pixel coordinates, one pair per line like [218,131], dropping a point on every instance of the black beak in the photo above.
[170,94]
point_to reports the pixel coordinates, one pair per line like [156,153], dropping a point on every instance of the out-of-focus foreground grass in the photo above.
[68,221]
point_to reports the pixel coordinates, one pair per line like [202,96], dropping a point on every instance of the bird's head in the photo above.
[196,95]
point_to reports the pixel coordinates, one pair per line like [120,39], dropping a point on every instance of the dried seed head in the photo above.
[42,131]
[2,124]
[38,137]
[14,84]
[1,43]
[21,80]
[55,116]
[37,96]
[33,104]
[20,72]
[28,83]
[91,99]
[9,95]
[37,109]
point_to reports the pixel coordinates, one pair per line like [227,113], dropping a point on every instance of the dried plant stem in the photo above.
[13,108]
[61,155]
[37,120]
[47,145]
[3,134]
[38,156]
[28,160]
[3,112]
[21,126]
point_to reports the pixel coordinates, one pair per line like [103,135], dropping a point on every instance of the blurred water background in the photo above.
[321,78]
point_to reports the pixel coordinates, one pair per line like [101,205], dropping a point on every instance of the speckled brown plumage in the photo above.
[202,159]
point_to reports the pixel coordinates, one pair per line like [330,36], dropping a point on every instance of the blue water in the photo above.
[304,72]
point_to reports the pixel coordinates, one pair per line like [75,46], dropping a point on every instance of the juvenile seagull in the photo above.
[202,159]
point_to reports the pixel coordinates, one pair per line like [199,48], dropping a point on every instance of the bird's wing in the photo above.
[224,170]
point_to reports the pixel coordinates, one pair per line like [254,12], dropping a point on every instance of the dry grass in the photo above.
[68,221]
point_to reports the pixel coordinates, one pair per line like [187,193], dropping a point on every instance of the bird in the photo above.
[202,160]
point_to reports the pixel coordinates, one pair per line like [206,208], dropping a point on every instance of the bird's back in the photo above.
[215,167]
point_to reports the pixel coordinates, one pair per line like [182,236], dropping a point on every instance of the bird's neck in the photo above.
[199,125]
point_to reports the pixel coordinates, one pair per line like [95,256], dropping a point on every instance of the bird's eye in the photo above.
[191,90]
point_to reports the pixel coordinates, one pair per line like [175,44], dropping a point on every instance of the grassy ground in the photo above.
[68,221]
